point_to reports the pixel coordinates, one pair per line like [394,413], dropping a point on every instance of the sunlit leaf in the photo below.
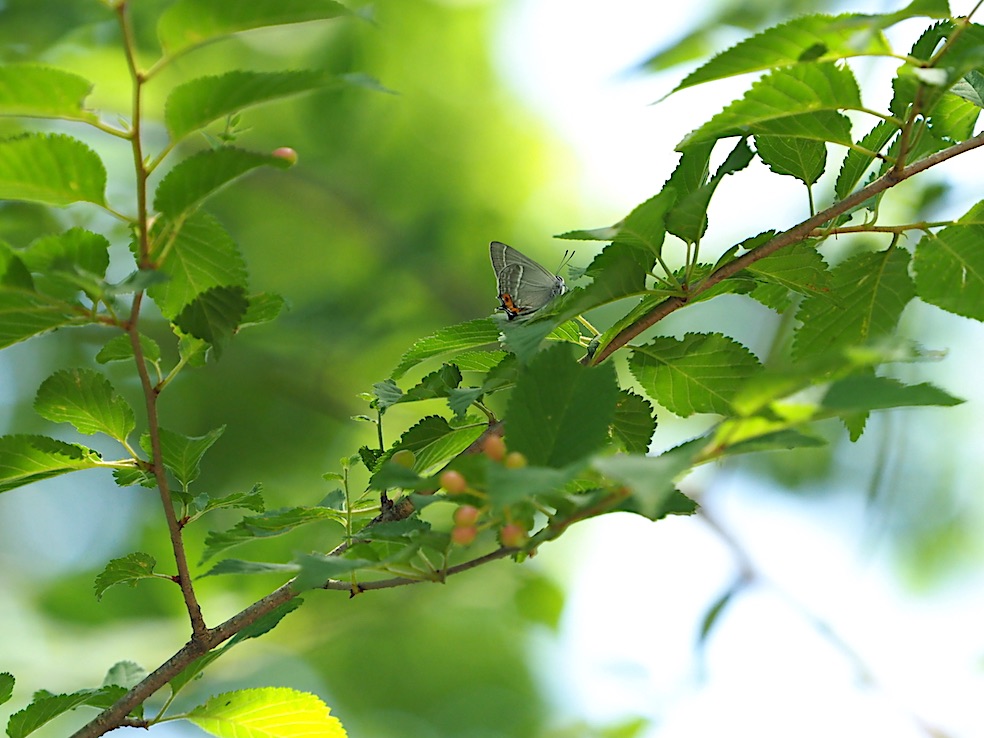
[52,168]
[265,525]
[867,295]
[698,374]
[434,442]
[128,569]
[189,23]
[43,92]
[798,102]
[183,454]
[87,400]
[949,266]
[25,459]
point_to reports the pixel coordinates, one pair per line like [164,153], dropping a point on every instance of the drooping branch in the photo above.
[797,233]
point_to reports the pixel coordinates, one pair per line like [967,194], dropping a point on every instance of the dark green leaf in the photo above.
[434,442]
[263,307]
[799,268]
[53,169]
[87,400]
[238,566]
[803,159]
[128,569]
[317,569]
[698,374]
[47,706]
[272,523]
[252,500]
[6,686]
[650,479]
[25,459]
[214,315]
[560,411]
[183,454]
[634,422]
[857,163]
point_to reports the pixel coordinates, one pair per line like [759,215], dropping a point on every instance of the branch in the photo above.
[200,644]
[797,233]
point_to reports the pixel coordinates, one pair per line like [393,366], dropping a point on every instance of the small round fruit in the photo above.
[513,535]
[287,154]
[453,482]
[464,535]
[404,457]
[466,515]
[515,460]
[494,447]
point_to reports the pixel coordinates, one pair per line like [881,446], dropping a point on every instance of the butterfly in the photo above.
[524,286]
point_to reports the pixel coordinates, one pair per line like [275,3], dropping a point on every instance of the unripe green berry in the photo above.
[404,457]
[515,460]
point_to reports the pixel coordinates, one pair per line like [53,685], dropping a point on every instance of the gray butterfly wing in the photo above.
[529,285]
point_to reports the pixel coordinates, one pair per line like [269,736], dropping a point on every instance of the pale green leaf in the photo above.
[127,569]
[238,566]
[865,392]
[53,169]
[38,91]
[650,479]
[87,400]
[119,348]
[803,159]
[183,454]
[127,674]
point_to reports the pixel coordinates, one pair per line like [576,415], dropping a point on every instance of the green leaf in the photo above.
[446,340]
[53,169]
[266,525]
[6,686]
[803,159]
[23,312]
[263,307]
[214,315]
[650,479]
[506,487]
[252,500]
[183,454]
[540,600]
[971,88]
[38,91]
[119,348]
[809,38]
[949,266]
[799,268]
[857,163]
[25,459]
[698,374]
[865,392]
[46,707]
[202,255]
[433,442]
[687,219]
[238,566]
[190,23]
[560,411]
[316,569]
[128,569]
[87,400]
[634,422]
[197,103]
[867,295]
[799,102]
[126,674]
[201,175]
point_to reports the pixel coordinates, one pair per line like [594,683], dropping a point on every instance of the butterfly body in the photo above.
[524,286]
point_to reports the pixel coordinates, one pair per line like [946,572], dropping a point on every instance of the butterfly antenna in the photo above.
[568,255]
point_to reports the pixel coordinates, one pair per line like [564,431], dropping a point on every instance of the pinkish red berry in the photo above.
[452,482]
[464,535]
[466,515]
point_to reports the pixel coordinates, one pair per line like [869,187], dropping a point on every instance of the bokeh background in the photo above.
[849,579]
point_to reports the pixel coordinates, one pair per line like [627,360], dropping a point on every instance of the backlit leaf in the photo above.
[52,168]
[43,92]
[87,400]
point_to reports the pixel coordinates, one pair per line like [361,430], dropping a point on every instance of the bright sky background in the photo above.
[638,591]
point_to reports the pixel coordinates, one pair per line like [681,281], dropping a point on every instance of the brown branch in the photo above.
[200,644]
[797,233]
